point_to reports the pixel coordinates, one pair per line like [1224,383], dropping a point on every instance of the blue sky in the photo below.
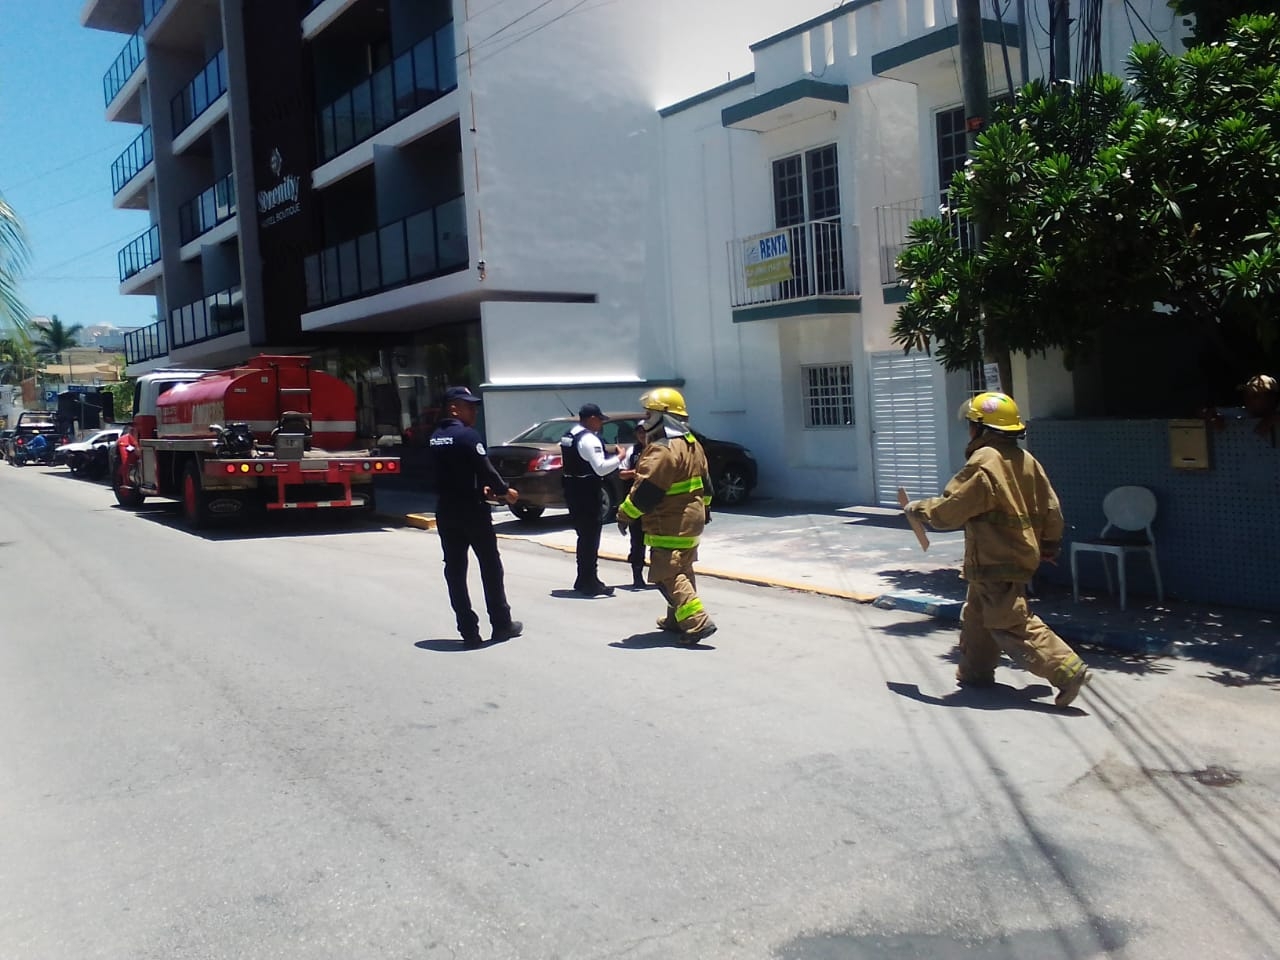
[56,151]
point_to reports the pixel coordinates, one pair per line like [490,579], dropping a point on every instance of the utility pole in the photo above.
[1059,40]
[997,371]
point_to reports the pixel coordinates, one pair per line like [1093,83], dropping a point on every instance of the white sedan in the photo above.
[88,457]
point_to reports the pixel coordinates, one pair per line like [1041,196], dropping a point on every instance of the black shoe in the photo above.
[471,643]
[513,629]
[599,590]
[637,580]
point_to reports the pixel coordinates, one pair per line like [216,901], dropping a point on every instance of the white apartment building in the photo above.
[419,192]
[849,128]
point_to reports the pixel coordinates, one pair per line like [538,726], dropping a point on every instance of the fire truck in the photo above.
[272,434]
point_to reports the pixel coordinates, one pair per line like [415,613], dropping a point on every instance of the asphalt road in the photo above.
[268,743]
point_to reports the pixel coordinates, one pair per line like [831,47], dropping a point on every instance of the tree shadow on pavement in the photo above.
[655,639]
[942,582]
[1111,661]
[1239,678]
[997,697]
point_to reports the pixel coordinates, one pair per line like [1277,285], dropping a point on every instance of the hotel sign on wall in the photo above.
[281,201]
[767,259]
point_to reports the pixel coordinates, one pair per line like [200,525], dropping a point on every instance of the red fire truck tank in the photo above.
[259,394]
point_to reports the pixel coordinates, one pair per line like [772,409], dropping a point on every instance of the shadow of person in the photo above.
[655,639]
[452,645]
[999,696]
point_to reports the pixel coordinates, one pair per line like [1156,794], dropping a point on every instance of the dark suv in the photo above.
[531,463]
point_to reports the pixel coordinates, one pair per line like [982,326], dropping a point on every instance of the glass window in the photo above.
[421,240]
[395,266]
[828,395]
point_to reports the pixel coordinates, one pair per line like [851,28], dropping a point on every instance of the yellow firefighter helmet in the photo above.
[665,400]
[994,410]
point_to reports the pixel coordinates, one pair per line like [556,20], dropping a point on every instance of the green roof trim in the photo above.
[818,21]
[800,90]
[936,42]
[706,95]
[797,308]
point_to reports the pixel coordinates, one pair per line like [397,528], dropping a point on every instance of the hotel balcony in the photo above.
[806,269]
[200,104]
[893,227]
[214,315]
[113,16]
[418,77]
[146,344]
[139,263]
[122,83]
[132,171]
[208,218]
[421,247]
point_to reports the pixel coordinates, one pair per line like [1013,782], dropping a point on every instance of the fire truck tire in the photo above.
[127,497]
[195,501]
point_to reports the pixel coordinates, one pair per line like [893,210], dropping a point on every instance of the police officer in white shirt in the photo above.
[585,467]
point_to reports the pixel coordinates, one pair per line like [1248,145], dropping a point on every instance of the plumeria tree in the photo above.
[1115,202]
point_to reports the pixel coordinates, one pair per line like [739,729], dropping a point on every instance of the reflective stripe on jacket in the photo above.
[671,490]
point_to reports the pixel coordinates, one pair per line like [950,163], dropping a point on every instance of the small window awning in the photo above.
[797,101]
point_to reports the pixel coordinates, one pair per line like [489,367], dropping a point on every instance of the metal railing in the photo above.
[823,257]
[215,315]
[132,161]
[147,343]
[206,210]
[197,96]
[149,10]
[123,68]
[425,245]
[419,76]
[893,225]
[141,253]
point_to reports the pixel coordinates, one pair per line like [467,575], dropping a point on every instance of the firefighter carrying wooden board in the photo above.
[671,497]
[1012,522]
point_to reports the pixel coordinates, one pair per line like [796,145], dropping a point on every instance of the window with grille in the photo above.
[828,395]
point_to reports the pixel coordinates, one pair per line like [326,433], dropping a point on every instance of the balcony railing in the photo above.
[132,161]
[202,213]
[149,10]
[425,245]
[209,84]
[422,74]
[893,225]
[141,253]
[126,63]
[216,315]
[814,259]
[147,343]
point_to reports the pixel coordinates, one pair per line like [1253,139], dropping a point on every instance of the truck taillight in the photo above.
[391,465]
[546,461]
[231,468]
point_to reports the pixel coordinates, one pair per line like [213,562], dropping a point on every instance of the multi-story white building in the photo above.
[418,192]
[849,128]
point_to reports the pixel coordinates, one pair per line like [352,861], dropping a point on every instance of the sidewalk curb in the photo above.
[1132,642]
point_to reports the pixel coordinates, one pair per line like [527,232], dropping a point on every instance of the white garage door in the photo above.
[904,420]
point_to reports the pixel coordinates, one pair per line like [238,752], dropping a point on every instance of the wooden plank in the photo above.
[916,526]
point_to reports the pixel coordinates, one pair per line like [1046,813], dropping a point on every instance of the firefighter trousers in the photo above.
[672,571]
[996,618]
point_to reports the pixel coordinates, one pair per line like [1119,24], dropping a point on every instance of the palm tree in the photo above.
[56,339]
[17,358]
[14,254]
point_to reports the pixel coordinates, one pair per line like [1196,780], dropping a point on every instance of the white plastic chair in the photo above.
[1126,508]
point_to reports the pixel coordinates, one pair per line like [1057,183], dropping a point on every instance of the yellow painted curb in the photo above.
[420,521]
[726,575]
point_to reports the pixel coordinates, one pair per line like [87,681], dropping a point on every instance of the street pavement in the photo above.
[868,555]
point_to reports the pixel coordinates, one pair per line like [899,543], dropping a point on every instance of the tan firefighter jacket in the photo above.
[1010,514]
[671,491]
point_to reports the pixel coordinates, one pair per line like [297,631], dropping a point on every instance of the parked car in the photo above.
[531,463]
[88,457]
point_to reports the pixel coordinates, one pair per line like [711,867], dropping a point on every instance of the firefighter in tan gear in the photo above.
[1011,518]
[672,493]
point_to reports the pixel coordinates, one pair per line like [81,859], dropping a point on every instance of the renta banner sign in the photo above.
[768,259]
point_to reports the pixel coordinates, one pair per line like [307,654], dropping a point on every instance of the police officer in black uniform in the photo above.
[466,480]
[585,467]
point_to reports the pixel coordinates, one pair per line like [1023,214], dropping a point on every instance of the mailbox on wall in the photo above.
[1188,445]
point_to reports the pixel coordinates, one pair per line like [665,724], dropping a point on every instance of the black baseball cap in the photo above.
[590,410]
[460,393]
